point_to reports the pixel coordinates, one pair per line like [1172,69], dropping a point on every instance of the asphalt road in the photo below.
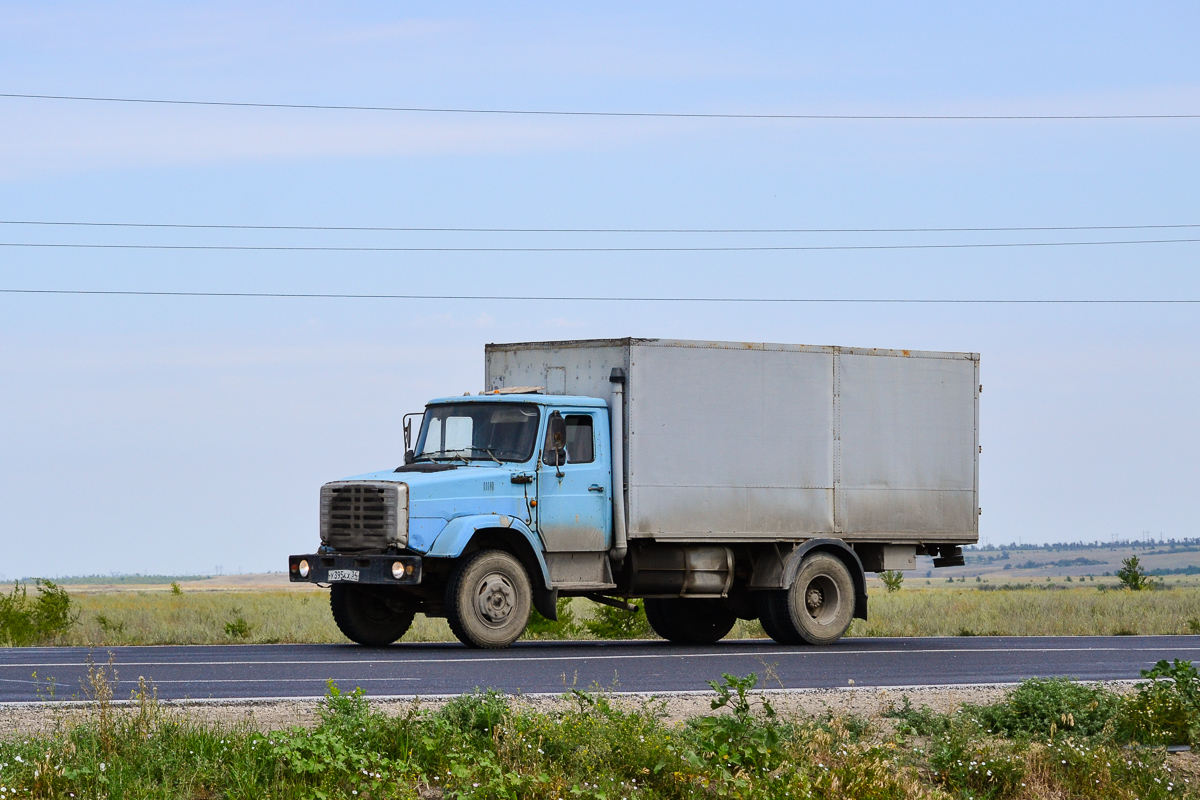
[280,671]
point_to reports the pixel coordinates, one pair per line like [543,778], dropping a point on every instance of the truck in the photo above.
[714,481]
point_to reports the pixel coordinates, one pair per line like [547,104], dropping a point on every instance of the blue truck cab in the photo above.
[504,500]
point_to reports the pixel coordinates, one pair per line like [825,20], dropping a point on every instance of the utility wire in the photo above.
[734,248]
[550,113]
[380,228]
[567,298]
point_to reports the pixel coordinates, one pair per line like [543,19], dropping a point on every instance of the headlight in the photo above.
[397,570]
[302,568]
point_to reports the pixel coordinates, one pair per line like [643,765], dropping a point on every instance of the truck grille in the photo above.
[364,516]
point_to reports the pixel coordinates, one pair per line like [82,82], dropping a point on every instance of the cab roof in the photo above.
[530,397]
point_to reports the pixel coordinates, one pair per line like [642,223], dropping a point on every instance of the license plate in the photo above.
[343,575]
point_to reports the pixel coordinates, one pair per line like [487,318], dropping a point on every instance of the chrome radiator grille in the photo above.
[364,516]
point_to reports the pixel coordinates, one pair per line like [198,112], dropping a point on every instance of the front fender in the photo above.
[458,533]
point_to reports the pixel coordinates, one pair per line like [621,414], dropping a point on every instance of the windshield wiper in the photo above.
[448,455]
[487,450]
[458,453]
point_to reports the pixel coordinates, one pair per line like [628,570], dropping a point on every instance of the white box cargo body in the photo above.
[747,442]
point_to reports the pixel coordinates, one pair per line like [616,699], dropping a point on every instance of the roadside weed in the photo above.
[1045,707]
[237,628]
[916,721]
[39,620]
[742,738]
[596,745]
[1165,709]
[892,580]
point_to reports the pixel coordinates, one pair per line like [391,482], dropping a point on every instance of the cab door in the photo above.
[575,484]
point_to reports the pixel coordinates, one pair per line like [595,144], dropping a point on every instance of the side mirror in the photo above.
[557,432]
[407,421]
[409,457]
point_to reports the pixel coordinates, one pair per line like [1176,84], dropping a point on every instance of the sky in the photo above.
[191,435]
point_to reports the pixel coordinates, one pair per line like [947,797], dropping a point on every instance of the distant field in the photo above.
[1179,560]
[124,580]
[162,583]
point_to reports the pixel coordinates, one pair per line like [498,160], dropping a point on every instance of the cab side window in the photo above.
[581,447]
[581,444]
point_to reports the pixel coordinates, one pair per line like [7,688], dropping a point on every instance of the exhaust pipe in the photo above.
[617,425]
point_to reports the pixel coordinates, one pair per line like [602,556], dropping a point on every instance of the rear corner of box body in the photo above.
[909,445]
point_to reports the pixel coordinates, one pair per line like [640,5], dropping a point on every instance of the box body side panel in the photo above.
[729,443]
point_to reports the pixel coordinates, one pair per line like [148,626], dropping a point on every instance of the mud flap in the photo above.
[546,602]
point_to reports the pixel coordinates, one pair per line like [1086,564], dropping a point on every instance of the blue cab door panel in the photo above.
[575,511]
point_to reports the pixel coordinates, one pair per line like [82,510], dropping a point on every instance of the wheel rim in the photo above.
[495,599]
[374,608]
[822,600]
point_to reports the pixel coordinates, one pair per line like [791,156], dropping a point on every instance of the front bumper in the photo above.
[372,569]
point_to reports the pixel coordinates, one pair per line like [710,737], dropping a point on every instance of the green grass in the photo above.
[482,745]
[226,617]
[115,618]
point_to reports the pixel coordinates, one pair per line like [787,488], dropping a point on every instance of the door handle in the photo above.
[595,487]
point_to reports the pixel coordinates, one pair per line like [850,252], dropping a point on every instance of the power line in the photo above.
[568,298]
[414,229]
[732,248]
[650,114]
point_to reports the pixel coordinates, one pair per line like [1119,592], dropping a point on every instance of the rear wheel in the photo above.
[817,609]
[488,599]
[679,619]
[774,615]
[370,615]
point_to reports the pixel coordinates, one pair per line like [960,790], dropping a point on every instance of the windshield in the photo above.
[478,432]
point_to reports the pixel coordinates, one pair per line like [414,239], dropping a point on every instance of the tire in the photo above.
[488,600]
[774,615]
[685,621]
[369,615]
[817,609]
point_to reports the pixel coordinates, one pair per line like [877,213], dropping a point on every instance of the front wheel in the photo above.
[700,621]
[369,615]
[488,600]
